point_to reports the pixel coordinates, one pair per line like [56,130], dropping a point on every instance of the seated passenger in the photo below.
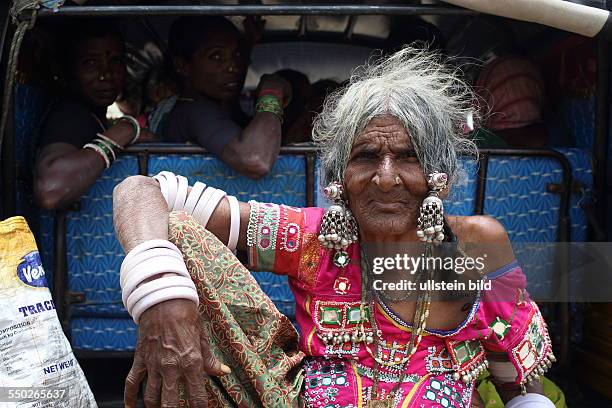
[513,90]
[300,129]
[414,31]
[296,111]
[76,143]
[211,59]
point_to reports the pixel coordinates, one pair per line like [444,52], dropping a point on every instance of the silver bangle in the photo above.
[252,226]
[101,151]
[136,126]
[109,140]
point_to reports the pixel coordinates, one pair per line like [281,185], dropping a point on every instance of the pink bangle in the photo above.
[153,286]
[194,195]
[162,296]
[202,203]
[234,231]
[275,92]
[181,193]
[210,207]
[147,269]
[170,188]
[144,246]
[143,256]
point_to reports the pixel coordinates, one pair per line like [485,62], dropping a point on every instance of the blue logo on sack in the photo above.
[31,272]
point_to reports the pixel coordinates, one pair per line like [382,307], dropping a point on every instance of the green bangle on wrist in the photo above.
[269,103]
[101,152]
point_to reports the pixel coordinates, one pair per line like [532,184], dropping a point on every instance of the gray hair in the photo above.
[414,85]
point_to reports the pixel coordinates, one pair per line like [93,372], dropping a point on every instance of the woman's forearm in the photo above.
[62,177]
[263,136]
[140,212]
[64,173]
[254,152]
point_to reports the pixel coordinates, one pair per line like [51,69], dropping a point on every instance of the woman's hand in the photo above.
[171,349]
[254,27]
[170,344]
[277,83]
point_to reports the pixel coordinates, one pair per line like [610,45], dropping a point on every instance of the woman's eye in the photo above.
[365,156]
[215,56]
[407,156]
[118,61]
[89,62]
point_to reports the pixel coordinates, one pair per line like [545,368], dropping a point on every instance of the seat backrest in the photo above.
[93,253]
[582,191]
[462,197]
[517,195]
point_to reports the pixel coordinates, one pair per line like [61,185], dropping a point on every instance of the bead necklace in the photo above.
[419,324]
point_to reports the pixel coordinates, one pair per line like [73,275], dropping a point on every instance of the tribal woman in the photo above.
[389,144]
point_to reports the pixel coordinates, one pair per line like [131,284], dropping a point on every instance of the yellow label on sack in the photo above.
[33,349]
[20,263]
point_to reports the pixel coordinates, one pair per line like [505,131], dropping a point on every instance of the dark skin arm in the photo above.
[255,150]
[64,173]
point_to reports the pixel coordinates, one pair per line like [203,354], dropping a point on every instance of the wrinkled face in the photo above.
[98,70]
[384,180]
[218,68]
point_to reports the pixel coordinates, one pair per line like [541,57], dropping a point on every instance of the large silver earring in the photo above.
[338,227]
[430,227]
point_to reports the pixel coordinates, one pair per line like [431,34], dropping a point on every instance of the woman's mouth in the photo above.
[106,94]
[233,86]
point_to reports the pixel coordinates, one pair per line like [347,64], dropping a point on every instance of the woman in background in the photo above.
[211,59]
[76,143]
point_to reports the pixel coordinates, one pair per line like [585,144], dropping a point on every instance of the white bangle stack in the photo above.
[201,202]
[149,260]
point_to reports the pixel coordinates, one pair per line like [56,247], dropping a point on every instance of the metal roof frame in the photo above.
[250,9]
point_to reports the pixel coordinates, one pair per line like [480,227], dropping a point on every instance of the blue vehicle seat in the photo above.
[94,255]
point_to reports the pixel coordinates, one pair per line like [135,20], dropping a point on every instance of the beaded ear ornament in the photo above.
[430,227]
[338,231]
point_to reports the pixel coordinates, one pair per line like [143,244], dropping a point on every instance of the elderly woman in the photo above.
[389,143]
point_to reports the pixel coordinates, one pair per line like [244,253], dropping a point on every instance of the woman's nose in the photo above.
[386,176]
[106,72]
[236,63]
[233,65]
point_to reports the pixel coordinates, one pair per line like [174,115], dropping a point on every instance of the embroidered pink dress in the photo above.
[503,319]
